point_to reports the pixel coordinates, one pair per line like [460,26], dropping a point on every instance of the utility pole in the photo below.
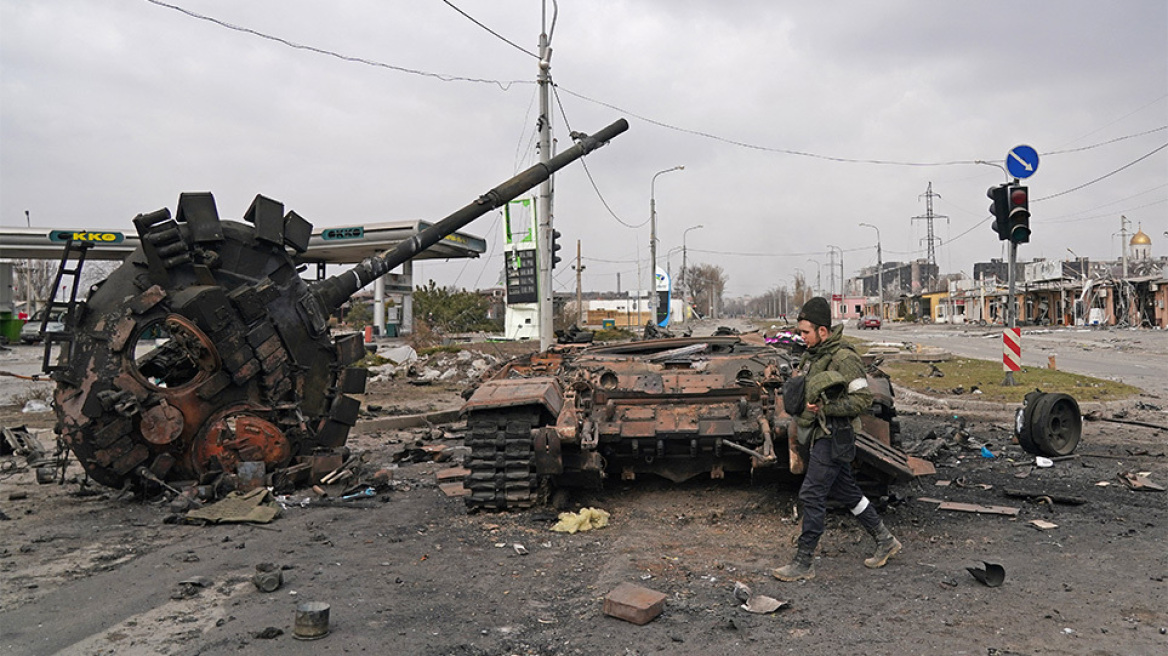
[930,238]
[830,271]
[653,244]
[841,268]
[818,276]
[579,294]
[685,285]
[1123,223]
[879,270]
[544,244]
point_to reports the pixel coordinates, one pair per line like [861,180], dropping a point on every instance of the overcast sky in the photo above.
[113,108]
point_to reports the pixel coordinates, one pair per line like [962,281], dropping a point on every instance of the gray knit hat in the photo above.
[817,311]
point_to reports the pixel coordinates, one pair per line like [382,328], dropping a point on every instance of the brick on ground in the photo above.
[634,603]
[453,473]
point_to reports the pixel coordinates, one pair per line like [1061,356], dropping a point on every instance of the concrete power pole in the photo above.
[544,243]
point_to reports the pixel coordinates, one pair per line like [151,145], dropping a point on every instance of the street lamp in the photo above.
[684,280]
[653,243]
[879,268]
[818,272]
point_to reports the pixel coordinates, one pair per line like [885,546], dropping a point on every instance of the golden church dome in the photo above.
[1140,239]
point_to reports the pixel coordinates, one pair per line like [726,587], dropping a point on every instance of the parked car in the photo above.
[870,321]
[30,332]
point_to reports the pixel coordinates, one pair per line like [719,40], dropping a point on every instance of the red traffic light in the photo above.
[1018,217]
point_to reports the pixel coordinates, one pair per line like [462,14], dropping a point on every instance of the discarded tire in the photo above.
[1049,424]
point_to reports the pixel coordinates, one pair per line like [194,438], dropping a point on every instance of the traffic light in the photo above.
[1000,209]
[1019,214]
[555,247]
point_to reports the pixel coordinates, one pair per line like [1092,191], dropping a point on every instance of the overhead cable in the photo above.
[1103,177]
[584,163]
[493,32]
[504,85]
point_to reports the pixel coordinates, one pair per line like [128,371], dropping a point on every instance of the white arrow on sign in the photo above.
[1021,161]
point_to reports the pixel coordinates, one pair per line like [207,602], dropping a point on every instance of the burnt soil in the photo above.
[411,572]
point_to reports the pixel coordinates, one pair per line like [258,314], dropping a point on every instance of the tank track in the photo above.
[502,460]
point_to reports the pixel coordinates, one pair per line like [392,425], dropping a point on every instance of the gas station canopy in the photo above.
[333,245]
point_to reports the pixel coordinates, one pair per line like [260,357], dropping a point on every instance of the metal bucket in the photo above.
[312,621]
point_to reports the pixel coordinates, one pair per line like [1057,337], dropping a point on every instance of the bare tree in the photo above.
[33,280]
[707,282]
[802,292]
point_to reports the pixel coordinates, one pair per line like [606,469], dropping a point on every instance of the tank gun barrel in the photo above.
[334,291]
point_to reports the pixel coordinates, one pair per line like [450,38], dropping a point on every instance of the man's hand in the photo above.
[813,407]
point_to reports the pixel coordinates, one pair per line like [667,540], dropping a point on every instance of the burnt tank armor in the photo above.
[205,348]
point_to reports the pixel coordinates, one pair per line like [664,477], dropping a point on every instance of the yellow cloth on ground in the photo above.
[585,520]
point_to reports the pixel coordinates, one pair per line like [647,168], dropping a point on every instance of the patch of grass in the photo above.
[988,376]
[612,335]
[371,360]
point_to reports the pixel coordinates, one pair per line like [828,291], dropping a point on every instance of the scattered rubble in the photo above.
[403,362]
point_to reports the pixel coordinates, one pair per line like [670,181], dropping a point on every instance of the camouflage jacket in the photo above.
[834,355]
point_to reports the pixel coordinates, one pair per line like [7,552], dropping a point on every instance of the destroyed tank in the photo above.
[677,408]
[206,349]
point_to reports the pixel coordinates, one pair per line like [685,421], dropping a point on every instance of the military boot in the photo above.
[887,546]
[800,569]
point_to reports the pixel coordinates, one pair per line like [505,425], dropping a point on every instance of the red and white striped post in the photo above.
[1012,349]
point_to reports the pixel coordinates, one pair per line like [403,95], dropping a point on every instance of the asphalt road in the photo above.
[1135,357]
[23,360]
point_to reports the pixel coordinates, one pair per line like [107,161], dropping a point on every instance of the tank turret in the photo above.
[206,349]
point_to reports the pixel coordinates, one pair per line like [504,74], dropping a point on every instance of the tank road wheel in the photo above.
[201,352]
[1056,425]
[502,460]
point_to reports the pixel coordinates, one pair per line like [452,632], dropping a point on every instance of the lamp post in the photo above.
[684,280]
[879,270]
[818,272]
[653,243]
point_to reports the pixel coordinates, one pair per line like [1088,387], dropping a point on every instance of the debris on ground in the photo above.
[256,506]
[190,587]
[979,509]
[756,603]
[458,367]
[993,575]
[763,605]
[1140,482]
[268,577]
[585,520]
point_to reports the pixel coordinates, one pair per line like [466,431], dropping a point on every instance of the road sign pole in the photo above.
[1011,314]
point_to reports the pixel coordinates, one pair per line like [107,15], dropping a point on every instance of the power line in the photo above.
[768,149]
[1105,143]
[504,85]
[1109,215]
[1131,113]
[748,254]
[1102,177]
[584,163]
[493,32]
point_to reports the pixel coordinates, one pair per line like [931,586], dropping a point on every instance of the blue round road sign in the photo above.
[1022,161]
